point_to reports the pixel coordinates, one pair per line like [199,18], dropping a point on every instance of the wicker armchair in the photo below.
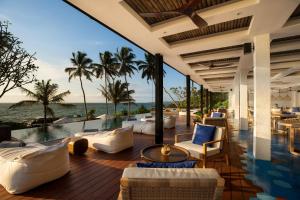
[209,150]
[170,183]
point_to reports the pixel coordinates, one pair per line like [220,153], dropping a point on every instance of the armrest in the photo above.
[183,137]
[208,143]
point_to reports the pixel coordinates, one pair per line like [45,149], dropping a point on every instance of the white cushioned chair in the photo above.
[170,183]
[24,168]
[209,150]
[110,141]
[145,127]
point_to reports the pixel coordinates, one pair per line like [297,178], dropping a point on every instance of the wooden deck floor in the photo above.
[96,175]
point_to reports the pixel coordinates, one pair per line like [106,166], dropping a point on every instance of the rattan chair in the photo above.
[209,150]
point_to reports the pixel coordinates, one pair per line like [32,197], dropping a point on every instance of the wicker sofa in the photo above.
[170,183]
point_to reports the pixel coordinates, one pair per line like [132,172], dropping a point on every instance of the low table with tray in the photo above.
[154,154]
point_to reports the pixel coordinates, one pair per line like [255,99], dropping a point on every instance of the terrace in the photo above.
[248,49]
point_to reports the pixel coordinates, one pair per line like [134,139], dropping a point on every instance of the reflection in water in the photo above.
[279,177]
[55,132]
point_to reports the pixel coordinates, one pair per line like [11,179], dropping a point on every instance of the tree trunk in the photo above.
[105,80]
[171,97]
[86,113]
[128,114]
[45,116]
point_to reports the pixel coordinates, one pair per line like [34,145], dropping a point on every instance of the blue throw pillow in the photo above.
[295,109]
[185,164]
[216,114]
[204,134]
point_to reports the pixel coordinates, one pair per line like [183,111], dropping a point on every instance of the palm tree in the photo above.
[106,67]
[125,59]
[117,93]
[81,68]
[45,93]
[148,71]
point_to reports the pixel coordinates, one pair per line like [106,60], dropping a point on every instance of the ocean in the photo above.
[26,113]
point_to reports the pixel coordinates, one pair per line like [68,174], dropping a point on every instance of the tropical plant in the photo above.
[148,71]
[91,114]
[125,60]
[117,93]
[45,93]
[106,67]
[81,68]
[17,66]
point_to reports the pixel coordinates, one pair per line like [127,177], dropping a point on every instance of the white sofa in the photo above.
[170,183]
[145,127]
[110,141]
[24,168]
[169,121]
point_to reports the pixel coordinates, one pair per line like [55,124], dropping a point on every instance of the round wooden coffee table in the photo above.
[153,154]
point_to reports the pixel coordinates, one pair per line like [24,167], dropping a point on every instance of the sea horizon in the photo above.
[26,113]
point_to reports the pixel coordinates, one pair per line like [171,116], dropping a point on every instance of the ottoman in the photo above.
[78,146]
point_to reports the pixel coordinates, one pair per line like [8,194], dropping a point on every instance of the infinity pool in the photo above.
[55,132]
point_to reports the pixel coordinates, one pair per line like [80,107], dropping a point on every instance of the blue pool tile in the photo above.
[282,184]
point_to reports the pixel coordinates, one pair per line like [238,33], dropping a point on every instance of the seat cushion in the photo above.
[216,114]
[203,134]
[185,164]
[196,150]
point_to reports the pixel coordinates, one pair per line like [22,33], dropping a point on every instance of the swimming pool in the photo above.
[55,132]
[279,177]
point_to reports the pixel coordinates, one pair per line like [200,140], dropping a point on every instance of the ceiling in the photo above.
[210,55]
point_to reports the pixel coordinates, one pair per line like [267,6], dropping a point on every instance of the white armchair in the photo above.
[24,168]
[209,150]
[144,127]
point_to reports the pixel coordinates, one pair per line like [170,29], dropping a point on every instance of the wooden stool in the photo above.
[78,146]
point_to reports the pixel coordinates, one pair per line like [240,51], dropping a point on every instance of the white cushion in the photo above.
[196,150]
[112,141]
[24,168]
[170,173]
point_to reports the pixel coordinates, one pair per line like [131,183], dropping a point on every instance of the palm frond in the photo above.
[59,97]
[23,103]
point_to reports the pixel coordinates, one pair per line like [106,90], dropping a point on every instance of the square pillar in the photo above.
[293,98]
[243,101]
[201,100]
[159,128]
[262,98]
[188,100]
[206,100]
[236,100]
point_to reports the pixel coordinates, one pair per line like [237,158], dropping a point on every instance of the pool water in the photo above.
[55,132]
[279,177]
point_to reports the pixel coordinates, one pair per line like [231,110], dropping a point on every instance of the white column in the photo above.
[236,106]
[293,98]
[243,100]
[262,98]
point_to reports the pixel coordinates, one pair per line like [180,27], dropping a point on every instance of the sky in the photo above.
[53,30]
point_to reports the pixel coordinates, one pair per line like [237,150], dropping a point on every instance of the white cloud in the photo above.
[49,71]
